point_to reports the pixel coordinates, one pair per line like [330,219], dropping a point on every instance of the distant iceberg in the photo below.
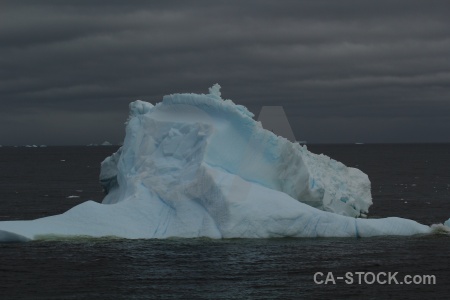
[196,165]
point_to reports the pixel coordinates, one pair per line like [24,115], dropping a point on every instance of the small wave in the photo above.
[74,238]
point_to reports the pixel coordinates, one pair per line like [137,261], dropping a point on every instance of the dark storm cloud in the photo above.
[343,70]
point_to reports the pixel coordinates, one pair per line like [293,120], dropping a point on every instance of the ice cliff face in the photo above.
[203,131]
[199,166]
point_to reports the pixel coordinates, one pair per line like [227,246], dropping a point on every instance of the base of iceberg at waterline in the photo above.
[263,213]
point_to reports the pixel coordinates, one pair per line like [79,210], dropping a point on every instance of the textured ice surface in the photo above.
[199,166]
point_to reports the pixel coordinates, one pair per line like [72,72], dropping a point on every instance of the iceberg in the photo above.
[196,165]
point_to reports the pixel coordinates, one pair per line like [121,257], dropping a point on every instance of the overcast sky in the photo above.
[344,71]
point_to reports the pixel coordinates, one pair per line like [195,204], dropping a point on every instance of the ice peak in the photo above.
[139,107]
[214,91]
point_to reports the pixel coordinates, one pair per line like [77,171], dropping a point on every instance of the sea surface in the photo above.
[410,181]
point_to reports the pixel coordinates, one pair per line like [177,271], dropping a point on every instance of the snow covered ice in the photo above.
[196,165]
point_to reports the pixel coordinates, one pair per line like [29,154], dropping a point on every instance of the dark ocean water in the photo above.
[411,181]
